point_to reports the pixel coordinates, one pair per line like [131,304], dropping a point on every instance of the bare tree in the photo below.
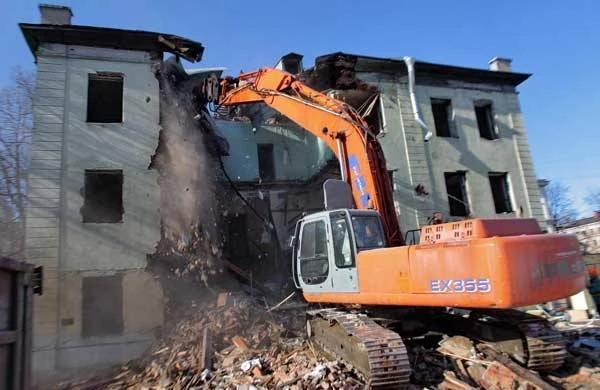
[593,200]
[16,124]
[560,204]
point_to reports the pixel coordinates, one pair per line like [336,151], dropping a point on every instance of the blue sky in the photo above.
[557,41]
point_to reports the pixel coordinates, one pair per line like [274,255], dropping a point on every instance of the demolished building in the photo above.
[127,175]
[128,183]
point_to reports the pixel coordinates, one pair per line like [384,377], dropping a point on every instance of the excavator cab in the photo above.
[325,246]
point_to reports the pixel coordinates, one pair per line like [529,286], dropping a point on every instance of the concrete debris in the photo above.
[237,343]
[249,364]
[459,346]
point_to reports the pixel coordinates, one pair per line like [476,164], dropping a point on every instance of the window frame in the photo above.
[465,194]
[318,278]
[507,189]
[351,242]
[489,117]
[270,160]
[92,104]
[112,323]
[449,110]
[367,220]
[90,202]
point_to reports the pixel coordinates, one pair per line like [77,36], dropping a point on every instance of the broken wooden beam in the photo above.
[519,373]
[206,353]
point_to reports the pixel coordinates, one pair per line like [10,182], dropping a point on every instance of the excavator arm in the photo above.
[337,124]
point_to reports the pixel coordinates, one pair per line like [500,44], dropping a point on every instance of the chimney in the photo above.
[55,14]
[500,64]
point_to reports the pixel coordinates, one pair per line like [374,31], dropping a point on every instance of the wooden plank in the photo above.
[206,352]
[48,92]
[27,340]
[101,53]
[42,242]
[41,102]
[8,337]
[55,127]
[50,75]
[46,154]
[46,146]
[42,116]
[6,278]
[5,362]
[42,222]
[43,183]
[39,136]
[44,202]
[18,347]
[58,68]
[45,164]
[44,59]
[46,193]
[41,253]
[51,84]
[33,232]
[522,372]
[45,174]
[13,265]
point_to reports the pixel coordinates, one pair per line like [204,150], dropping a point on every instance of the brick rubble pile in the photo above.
[237,343]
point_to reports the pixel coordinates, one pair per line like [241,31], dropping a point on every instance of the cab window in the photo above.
[313,256]
[342,240]
[368,232]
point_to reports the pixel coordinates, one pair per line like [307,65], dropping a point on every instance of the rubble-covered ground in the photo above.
[240,342]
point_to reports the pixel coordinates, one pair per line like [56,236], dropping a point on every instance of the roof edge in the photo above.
[512,78]
[35,34]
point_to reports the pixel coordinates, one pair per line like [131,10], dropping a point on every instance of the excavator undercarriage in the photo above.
[372,341]
[378,354]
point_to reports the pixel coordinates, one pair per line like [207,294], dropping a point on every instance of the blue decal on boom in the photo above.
[359,180]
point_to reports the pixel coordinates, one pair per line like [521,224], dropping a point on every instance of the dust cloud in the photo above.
[187,159]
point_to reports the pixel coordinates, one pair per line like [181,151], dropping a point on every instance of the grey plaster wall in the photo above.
[415,161]
[63,147]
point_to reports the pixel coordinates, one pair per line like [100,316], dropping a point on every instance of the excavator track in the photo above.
[530,340]
[544,347]
[377,354]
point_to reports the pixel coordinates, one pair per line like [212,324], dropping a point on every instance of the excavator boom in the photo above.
[335,123]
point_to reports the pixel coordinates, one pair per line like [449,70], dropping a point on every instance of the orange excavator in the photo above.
[371,292]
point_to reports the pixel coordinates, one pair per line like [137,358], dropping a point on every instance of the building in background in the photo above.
[453,137]
[587,231]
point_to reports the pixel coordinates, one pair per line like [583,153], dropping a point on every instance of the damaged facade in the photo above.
[278,171]
[93,214]
[122,146]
